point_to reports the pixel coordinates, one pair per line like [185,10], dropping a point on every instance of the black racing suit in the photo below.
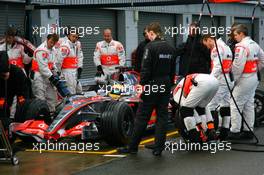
[16,85]
[158,70]
[139,54]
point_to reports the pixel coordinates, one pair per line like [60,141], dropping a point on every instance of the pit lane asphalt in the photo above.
[187,163]
[181,162]
[63,162]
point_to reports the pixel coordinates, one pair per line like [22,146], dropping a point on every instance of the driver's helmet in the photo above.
[116,90]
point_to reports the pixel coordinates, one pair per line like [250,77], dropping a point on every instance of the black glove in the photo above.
[79,72]
[62,89]
[60,85]
[100,70]
[54,80]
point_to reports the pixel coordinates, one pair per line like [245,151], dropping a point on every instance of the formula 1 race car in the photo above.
[109,116]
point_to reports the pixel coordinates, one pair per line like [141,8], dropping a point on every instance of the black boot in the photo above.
[246,135]
[151,146]
[157,152]
[127,150]
[194,136]
[211,135]
[234,136]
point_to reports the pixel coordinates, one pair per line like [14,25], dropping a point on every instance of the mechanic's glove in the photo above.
[79,72]
[60,85]
[100,70]
[54,79]
[62,89]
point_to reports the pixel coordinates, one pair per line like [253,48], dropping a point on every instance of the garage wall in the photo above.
[89,18]
[248,23]
[15,17]
[166,20]
[207,22]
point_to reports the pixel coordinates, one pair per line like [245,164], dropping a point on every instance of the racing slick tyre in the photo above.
[34,109]
[259,107]
[117,123]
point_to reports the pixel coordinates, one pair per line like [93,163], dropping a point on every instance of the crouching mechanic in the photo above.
[44,73]
[249,59]
[222,97]
[13,82]
[70,61]
[108,55]
[157,73]
[198,91]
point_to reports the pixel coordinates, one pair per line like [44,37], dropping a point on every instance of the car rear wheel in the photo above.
[259,106]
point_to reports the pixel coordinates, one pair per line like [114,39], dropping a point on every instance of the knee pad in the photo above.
[200,111]
[225,111]
[186,112]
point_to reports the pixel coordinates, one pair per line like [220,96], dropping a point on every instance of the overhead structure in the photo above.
[42,4]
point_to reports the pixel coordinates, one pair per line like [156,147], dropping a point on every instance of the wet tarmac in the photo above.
[107,161]
[188,162]
[63,162]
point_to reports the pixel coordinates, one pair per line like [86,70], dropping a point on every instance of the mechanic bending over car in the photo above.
[13,82]
[108,55]
[222,97]
[248,61]
[70,60]
[158,69]
[44,73]
[193,98]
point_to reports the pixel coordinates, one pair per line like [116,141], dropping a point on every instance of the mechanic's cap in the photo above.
[4,63]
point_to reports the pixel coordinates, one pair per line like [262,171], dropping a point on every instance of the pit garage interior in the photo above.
[127,24]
